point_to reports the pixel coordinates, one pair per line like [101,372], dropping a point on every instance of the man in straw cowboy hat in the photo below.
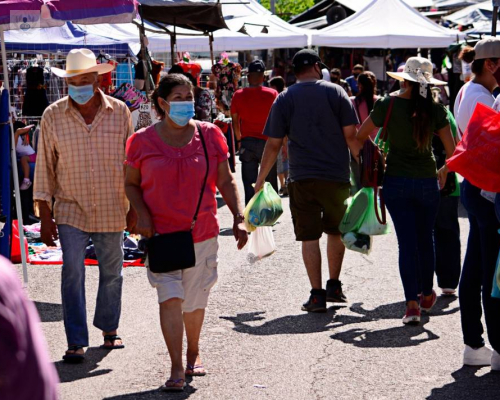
[80,165]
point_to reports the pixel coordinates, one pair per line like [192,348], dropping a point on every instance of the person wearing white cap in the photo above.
[412,183]
[80,164]
[484,242]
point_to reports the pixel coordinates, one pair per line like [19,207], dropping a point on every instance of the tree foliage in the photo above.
[287,9]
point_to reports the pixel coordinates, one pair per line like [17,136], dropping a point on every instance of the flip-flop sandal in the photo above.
[191,370]
[74,358]
[172,385]
[112,339]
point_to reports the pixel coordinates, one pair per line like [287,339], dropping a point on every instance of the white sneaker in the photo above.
[479,357]
[495,361]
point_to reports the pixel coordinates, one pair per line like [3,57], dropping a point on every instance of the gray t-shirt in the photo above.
[312,115]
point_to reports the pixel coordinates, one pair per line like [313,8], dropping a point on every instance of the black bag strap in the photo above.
[198,127]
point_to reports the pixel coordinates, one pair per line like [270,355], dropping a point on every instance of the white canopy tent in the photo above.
[263,31]
[386,24]
[358,5]
[480,12]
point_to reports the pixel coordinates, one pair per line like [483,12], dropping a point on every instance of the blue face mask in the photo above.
[181,112]
[81,94]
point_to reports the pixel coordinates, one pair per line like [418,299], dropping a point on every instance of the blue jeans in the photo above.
[479,269]
[251,152]
[413,205]
[109,251]
[447,238]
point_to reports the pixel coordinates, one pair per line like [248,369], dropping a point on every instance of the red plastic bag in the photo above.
[15,251]
[477,155]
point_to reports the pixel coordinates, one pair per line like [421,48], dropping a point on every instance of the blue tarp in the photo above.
[62,39]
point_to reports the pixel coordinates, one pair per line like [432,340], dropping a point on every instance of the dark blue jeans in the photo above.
[447,241]
[478,270]
[251,152]
[413,205]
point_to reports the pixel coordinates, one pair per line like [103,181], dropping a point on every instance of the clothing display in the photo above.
[192,68]
[228,75]
[35,97]
[132,97]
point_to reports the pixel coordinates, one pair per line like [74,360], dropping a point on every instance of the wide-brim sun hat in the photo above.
[417,69]
[79,62]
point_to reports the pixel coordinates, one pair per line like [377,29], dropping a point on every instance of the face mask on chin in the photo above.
[335,79]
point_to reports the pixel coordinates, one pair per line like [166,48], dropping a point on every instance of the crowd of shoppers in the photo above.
[318,131]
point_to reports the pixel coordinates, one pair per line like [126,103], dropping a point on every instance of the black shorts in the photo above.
[317,207]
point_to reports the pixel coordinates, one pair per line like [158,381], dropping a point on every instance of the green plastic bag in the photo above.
[496,280]
[371,226]
[355,213]
[360,215]
[264,209]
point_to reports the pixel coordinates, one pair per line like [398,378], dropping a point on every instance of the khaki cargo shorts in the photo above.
[192,285]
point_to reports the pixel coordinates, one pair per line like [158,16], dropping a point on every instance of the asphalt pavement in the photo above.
[258,344]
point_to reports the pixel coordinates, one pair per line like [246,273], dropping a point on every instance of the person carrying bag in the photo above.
[412,183]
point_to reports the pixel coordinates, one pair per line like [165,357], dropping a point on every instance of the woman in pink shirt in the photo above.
[166,167]
[365,99]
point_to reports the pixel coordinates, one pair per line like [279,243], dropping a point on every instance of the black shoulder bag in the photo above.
[173,251]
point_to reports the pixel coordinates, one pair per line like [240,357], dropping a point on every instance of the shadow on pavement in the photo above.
[74,372]
[49,312]
[155,394]
[469,386]
[220,202]
[290,324]
[398,336]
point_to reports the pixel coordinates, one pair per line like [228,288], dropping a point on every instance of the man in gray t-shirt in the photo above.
[320,122]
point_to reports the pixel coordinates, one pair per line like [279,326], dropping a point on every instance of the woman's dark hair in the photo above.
[165,87]
[421,116]
[468,54]
[368,83]
[191,78]
[176,69]
[278,82]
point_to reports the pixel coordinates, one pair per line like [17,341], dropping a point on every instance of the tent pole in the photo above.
[14,164]
[173,38]
[211,42]
[494,21]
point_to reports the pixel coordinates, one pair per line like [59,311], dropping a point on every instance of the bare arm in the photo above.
[352,142]
[449,146]
[271,151]
[236,128]
[133,191]
[229,191]
[365,129]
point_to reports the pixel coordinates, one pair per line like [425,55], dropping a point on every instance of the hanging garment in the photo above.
[35,97]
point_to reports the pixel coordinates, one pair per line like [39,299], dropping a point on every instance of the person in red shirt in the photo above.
[250,108]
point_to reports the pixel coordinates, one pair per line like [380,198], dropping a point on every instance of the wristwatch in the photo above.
[239,218]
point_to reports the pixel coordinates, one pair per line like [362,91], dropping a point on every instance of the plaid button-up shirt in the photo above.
[82,166]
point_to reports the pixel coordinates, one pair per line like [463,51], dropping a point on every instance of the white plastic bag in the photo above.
[261,244]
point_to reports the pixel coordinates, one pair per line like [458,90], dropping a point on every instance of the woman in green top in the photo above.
[412,182]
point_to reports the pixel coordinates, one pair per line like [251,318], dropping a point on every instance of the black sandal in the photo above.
[112,339]
[74,358]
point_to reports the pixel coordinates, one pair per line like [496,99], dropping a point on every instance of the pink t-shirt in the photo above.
[362,111]
[172,178]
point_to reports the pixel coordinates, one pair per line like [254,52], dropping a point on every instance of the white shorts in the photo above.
[192,285]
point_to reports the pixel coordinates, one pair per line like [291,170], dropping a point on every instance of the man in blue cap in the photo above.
[249,109]
[320,122]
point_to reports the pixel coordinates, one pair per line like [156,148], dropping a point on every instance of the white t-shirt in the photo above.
[466,101]
[23,150]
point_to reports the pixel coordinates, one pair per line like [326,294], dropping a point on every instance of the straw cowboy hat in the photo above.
[417,69]
[79,62]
